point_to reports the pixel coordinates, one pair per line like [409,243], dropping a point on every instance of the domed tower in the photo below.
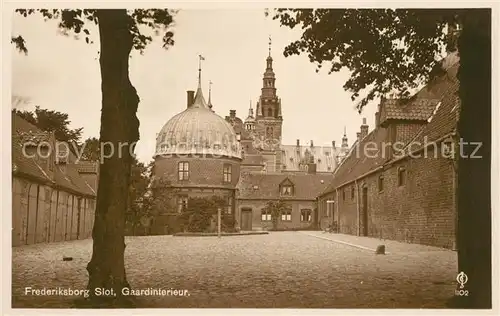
[197,155]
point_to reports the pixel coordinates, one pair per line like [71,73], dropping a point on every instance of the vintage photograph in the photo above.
[331,158]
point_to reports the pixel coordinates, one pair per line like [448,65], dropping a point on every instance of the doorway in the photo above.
[364,212]
[246,219]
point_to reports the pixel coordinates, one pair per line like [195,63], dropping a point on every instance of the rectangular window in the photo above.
[286,215]
[305,215]
[183,170]
[401,176]
[265,216]
[182,201]
[343,194]
[287,190]
[227,173]
[352,193]
[380,183]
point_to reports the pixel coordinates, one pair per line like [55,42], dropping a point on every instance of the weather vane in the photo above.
[270,42]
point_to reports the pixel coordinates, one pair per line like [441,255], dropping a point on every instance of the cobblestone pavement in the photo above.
[282,269]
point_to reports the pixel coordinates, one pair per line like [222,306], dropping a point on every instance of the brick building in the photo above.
[53,195]
[399,180]
[297,190]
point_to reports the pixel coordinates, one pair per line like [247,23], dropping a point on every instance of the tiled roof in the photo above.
[265,186]
[324,157]
[444,120]
[359,161]
[422,105]
[87,167]
[417,110]
[65,176]
[441,121]
[254,160]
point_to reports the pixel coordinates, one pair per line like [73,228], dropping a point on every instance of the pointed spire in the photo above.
[250,110]
[210,94]
[344,139]
[199,69]
[199,100]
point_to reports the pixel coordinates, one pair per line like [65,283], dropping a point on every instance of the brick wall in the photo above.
[203,172]
[420,211]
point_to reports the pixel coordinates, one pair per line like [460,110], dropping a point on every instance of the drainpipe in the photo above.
[357,206]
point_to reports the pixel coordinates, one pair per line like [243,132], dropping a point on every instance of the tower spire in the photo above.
[199,70]
[250,110]
[210,94]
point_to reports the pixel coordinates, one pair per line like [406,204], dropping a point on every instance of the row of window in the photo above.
[401,182]
[183,172]
[305,215]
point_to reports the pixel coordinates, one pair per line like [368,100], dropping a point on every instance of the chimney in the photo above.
[364,128]
[333,143]
[312,144]
[298,143]
[311,168]
[377,119]
[190,98]
[232,113]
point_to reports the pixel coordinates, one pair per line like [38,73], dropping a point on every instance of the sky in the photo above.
[62,73]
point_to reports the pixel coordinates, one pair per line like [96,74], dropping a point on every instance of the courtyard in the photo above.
[278,270]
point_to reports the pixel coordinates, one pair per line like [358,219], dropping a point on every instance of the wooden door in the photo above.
[246,219]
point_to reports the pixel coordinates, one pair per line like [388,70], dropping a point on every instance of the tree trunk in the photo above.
[474,197]
[119,131]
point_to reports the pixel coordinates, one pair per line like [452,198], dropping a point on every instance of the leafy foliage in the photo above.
[275,208]
[143,23]
[91,149]
[198,214]
[387,50]
[52,121]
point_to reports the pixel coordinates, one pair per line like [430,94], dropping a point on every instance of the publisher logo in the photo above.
[462,279]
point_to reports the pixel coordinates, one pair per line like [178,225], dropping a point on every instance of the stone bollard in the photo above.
[380,250]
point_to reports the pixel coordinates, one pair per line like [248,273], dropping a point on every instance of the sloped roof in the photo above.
[254,160]
[441,121]
[324,157]
[266,186]
[360,159]
[418,110]
[65,176]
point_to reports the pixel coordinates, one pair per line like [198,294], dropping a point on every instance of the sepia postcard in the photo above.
[298,157]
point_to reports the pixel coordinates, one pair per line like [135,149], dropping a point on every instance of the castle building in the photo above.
[200,154]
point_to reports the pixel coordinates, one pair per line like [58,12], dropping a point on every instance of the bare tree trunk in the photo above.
[120,129]
[474,127]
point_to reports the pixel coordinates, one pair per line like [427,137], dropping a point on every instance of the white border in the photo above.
[6,196]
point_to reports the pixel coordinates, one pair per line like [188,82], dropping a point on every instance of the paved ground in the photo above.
[282,269]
